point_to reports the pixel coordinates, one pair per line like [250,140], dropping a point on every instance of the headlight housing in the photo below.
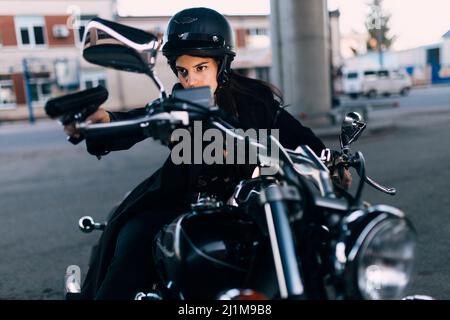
[379,246]
[385,260]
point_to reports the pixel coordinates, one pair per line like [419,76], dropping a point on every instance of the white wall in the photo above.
[103,8]
[138,89]
[445,51]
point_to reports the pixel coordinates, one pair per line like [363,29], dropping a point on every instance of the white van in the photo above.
[372,83]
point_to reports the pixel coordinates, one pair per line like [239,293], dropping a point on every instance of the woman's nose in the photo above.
[192,81]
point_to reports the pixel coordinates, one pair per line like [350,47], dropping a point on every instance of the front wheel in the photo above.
[405,91]
[371,94]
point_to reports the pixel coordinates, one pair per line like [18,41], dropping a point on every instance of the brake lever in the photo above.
[389,191]
[354,161]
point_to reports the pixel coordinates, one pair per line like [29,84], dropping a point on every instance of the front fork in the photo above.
[287,266]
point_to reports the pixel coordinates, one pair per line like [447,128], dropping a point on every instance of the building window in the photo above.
[257,32]
[7,94]
[67,73]
[91,79]
[40,89]
[84,20]
[30,31]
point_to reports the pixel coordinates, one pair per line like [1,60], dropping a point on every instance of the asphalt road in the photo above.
[414,158]
[47,184]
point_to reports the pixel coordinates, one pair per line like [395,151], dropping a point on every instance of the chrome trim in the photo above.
[331,203]
[276,253]
[176,241]
[388,209]
[167,253]
[363,235]
[418,297]
[147,296]
[214,260]
[344,266]
[93,38]
[355,215]
[384,212]
[73,279]
[252,192]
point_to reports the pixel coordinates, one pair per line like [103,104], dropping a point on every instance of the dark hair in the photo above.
[239,85]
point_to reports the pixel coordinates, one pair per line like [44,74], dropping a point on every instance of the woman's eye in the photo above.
[183,73]
[201,68]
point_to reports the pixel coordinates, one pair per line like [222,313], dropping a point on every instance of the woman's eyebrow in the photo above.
[201,63]
[196,66]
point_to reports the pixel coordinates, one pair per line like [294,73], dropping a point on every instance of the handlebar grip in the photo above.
[74,140]
[112,131]
[83,103]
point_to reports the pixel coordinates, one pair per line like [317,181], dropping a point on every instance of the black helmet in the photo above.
[200,32]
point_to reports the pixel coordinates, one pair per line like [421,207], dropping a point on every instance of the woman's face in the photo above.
[197,72]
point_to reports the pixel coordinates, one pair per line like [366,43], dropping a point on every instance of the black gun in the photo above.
[76,107]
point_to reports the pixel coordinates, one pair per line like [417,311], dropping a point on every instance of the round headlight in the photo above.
[384,262]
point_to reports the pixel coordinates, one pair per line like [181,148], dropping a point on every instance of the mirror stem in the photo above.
[158,83]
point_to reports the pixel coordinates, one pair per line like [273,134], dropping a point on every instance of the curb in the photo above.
[372,128]
[25,127]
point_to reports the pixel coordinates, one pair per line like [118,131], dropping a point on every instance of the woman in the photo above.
[199,50]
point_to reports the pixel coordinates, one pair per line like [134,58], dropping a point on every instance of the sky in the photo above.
[169,7]
[414,22]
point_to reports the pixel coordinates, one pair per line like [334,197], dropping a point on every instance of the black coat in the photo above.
[170,189]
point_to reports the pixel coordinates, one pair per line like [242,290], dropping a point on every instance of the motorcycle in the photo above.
[281,236]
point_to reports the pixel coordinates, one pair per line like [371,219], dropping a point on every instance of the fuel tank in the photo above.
[205,252]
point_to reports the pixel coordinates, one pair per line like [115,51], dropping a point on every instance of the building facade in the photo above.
[40,55]
[426,65]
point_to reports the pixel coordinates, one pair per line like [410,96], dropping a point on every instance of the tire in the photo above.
[405,91]
[371,94]
[353,96]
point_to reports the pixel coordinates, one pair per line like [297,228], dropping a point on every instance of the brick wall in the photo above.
[241,34]
[19,88]
[50,21]
[7,31]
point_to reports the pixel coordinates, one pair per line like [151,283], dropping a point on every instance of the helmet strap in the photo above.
[223,75]
[172,61]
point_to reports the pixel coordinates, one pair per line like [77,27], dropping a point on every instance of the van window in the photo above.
[369,73]
[352,75]
[383,73]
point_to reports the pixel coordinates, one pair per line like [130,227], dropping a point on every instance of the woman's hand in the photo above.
[342,179]
[99,116]
[340,175]
[345,179]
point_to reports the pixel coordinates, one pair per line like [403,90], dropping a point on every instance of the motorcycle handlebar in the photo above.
[141,127]
[76,106]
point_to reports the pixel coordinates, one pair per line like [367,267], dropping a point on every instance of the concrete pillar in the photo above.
[301,54]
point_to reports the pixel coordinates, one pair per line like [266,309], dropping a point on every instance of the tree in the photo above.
[377,25]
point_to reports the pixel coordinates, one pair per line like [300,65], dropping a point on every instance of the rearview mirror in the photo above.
[121,47]
[352,127]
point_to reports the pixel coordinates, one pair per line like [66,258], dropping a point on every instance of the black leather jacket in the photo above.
[172,187]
